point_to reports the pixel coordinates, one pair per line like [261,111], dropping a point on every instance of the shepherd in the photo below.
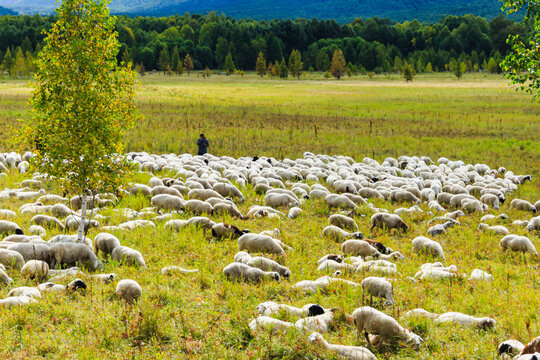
[203,144]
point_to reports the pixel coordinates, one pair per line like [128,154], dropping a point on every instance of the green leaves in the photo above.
[83,101]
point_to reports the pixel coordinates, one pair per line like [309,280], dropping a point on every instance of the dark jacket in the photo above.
[203,145]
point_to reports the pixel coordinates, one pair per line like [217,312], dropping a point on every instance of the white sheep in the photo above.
[319,323]
[169,270]
[35,269]
[242,272]
[66,253]
[383,328]
[272,308]
[4,278]
[388,222]
[198,207]
[422,244]
[331,266]
[348,352]
[276,200]
[517,243]
[534,224]
[496,229]
[11,259]
[267,323]
[30,291]
[338,234]
[128,256]
[260,243]
[105,278]
[466,320]
[358,247]
[72,286]
[380,288]
[294,212]
[343,222]
[16,301]
[339,201]
[129,290]
[105,242]
[419,313]
[321,283]
[167,202]
[9,227]
[480,275]
[491,200]
[510,347]
[440,228]
[521,204]
[37,230]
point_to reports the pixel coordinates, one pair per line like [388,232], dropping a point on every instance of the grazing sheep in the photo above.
[358,247]
[128,256]
[198,207]
[158,190]
[403,196]
[60,210]
[267,265]
[32,251]
[435,206]
[394,255]
[517,243]
[479,275]
[72,223]
[129,290]
[223,231]
[422,244]
[491,200]
[521,204]
[245,273]
[105,278]
[497,229]
[229,190]
[35,269]
[272,308]
[294,212]
[380,288]
[167,202]
[169,270]
[521,223]
[343,222]
[9,227]
[473,205]
[106,243]
[201,222]
[258,243]
[276,200]
[466,320]
[37,230]
[337,234]
[348,352]
[228,208]
[336,258]
[16,301]
[269,324]
[72,286]
[48,222]
[331,265]
[73,254]
[7,214]
[339,201]
[534,224]
[136,189]
[11,259]
[76,202]
[537,206]
[382,327]
[440,228]
[52,199]
[29,291]
[388,222]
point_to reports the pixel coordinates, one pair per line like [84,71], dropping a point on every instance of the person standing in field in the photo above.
[203,144]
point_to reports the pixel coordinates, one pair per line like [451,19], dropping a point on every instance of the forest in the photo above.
[372,45]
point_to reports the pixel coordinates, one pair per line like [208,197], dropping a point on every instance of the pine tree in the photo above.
[180,67]
[260,65]
[175,58]
[164,59]
[283,70]
[188,63]
[8,62]
[407,71]
[229,64]
[20,63]
[338,64]
[295,64]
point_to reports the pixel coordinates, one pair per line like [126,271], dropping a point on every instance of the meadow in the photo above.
[202,315]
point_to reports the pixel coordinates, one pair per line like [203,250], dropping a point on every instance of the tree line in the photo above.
[182,43]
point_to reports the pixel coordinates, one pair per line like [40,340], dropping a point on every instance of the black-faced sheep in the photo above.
[223,231]
[523,205]
[9,227]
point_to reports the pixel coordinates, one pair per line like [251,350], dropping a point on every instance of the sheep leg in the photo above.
[366,335]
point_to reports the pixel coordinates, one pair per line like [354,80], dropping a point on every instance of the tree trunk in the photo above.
[80,234]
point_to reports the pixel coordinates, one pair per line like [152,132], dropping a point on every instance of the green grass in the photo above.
[203,315]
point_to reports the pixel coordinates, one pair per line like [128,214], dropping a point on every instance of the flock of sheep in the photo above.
[202,187]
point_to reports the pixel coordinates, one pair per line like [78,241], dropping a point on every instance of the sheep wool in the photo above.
[348,352]
[129,290]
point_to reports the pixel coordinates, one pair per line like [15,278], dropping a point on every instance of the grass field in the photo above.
[203,316]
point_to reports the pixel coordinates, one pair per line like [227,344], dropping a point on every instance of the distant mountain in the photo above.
[4,11]
[341,10]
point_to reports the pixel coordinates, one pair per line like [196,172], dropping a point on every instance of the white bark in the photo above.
[80,234]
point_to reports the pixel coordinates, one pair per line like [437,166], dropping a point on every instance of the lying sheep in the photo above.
[466,320]
[383,328]
[358,247]
[105,278]
[258,243]
[35,269]
[497,229]
[16,301]
[129,290]
[167,202]
[73,254]
[271,308]
[245,273]
[11,259]
[343,222]
[422,244]
[479,275]
[517,243]
[169,270]
[106,243]
[9,227]
[128,256]
[388,222]
[510,348]
[224,231]
[321,283]
[333,257]
[380,288]
[72,286]
[420,313]
[348,352]
[30,291]
[262,263]
[523,205]
[337,234]
[320,323]
[269,324]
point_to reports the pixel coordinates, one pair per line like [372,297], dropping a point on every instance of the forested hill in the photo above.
[4,11]
[340,10]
